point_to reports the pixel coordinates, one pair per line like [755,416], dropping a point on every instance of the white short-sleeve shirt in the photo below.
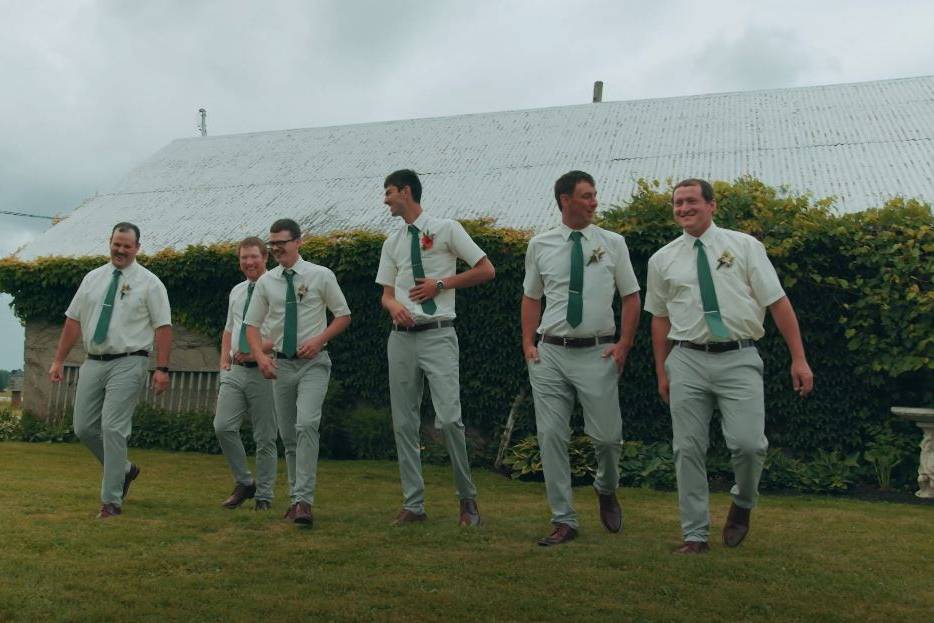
[441,242]
[235,305]
[607,269]
[743,277]
[316,291]
[141,305]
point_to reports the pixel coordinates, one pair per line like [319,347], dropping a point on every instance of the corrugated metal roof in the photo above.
[862,143]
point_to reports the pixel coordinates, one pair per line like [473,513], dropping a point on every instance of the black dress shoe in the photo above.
[262,505]
[737,525]
[561,534]
[470,514]
[610,513]
[129,477]
[241,494]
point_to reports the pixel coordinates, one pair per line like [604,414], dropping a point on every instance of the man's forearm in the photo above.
[71,331]
[482,272]
[531,314]
[255,340]
[337,326]
[163,345]
[660,343]
[629,312]
[787,322]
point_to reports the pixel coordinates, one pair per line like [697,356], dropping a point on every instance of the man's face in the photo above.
[580,206]
[123,248]
[692,212]
[396,199]
[284,247]
[252,262]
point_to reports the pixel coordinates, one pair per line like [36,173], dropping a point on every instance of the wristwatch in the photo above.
[439,284]
[163,369]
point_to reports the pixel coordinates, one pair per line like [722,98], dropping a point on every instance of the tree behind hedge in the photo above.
[859,282]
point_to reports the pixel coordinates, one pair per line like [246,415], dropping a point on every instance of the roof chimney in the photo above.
[203,124]
[598,91]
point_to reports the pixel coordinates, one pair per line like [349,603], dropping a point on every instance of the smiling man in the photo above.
[578,267]
[290,303]
[119,309]
[244,391]
[707,292]
[418,272]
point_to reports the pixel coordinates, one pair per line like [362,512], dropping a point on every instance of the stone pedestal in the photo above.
[924,418]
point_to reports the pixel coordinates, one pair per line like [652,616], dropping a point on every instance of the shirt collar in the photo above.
[588,231]
[421,223]
[129,270]
[300,267]
[707,237]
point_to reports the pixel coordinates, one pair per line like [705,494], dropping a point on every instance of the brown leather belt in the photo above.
[716,347]
[577,342]
[246,364]
[279,355]
[437,324]
[135,353]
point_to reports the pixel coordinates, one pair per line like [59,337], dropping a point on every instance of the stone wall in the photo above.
[191,353]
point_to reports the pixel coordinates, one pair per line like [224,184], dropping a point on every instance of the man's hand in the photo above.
[310,348]
[224,362]
[663,387]
[802,379]
[425,289]
[160,381]
[55,372]
[531,353]
[267,366]
[242,358]
[619,352]
[399,314]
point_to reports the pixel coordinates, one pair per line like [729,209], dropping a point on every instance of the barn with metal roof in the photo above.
[861,143]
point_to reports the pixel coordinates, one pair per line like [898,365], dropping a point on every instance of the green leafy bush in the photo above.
[10,425]
[827,472]
[369,431]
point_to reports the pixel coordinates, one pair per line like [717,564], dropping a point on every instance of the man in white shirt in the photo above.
[418,272]
[707,292]
[578,267]
[292,300]
[245,392]
[119,310]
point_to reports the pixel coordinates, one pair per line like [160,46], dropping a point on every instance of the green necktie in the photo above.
[709,294]
[244,345]
[103,322]
[290,335]
[418,271]
[576,286]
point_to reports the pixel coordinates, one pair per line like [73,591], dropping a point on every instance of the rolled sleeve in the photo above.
[463,245]
[763,280]
[157,299]
[533,286]
[259,306]
[387,271]
[625,276]
[654,297]
[333,296]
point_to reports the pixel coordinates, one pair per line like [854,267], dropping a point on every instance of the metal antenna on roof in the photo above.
[598,91]
[203,124]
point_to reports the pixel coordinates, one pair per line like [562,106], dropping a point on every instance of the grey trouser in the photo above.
[434,354]
[732,382]
[560,373]
[106,396]
[299,389]
[244,392]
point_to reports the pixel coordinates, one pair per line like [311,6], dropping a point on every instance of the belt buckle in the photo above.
[564,341]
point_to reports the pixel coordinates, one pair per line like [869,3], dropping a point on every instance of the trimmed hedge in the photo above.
[859,282]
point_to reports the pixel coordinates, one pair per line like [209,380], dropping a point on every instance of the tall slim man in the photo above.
[119,310]
[245,392]
[707,292]
[292,300]
[418,272]
[578,267]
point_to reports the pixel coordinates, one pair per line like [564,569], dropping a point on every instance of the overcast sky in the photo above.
[91,89]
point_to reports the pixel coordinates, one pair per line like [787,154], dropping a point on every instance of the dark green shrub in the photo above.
[827,472]
[369,431]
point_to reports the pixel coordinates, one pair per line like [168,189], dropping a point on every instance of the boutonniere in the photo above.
[125,290]
[302,291]
[726,259]
[596,256]
[428,241]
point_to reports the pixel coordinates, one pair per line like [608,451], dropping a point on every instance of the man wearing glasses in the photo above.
[291,300]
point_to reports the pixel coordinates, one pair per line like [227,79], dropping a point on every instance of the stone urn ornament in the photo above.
[924,418]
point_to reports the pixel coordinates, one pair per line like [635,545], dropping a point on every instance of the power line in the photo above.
[51,218]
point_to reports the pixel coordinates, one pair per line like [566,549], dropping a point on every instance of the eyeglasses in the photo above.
[278,244]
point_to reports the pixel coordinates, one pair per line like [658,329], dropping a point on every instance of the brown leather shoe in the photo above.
[692,547]
[737,525]
[109,510]
[610,513]
[262,505]
[290,513]
[470,514]
[561,534]
[406,516]
[302,514]
[129,477]
[241,494]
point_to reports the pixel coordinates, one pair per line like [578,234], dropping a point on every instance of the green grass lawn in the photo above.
[175,555]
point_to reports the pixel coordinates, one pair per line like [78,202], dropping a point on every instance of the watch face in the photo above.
[439,284]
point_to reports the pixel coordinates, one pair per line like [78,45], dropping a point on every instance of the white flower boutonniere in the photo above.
[125,290]
[302,291]
[726,259]
[596,256]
